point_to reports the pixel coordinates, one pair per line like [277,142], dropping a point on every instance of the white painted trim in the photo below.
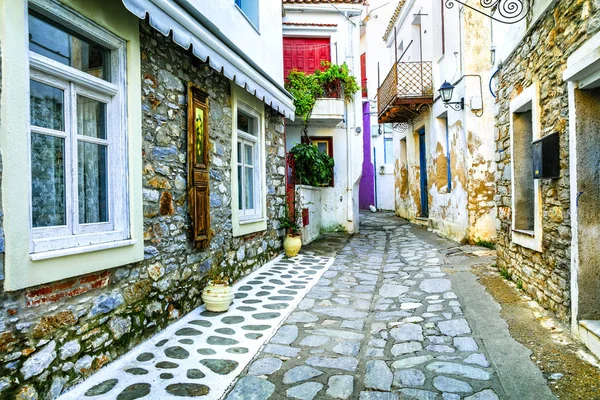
[83,249]
[571,86]
[20,270]
[529,98]
[308,31]
[583,66]
[244,225]
[49,66]
[75,82]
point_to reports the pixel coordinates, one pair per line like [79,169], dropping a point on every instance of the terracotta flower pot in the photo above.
[292,244]
[217,297]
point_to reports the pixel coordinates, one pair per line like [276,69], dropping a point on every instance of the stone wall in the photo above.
[55,335]
[542,57]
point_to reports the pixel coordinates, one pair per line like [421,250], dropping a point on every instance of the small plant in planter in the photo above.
[217,294]
[292,243]
[336,80]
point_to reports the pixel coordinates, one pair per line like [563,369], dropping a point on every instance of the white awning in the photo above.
[166,16]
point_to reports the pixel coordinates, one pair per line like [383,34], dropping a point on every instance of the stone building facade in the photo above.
[54,335]
[537,64]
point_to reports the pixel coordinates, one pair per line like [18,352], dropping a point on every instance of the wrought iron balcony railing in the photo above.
[407,87]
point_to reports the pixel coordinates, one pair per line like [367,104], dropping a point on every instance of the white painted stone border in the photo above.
[218,384]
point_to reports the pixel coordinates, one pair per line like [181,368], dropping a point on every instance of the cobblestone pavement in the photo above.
[200,355]
[382,323]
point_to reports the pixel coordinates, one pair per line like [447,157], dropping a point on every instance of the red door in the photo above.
[305,54]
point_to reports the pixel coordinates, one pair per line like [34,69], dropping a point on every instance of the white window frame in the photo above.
[244,11]
[255,220]
[247,139]
[48,242]
[527,100]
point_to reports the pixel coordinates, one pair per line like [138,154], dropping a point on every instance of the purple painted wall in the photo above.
[366,194]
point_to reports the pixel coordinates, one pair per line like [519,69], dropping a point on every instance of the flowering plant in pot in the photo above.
[292,243]
[217,294]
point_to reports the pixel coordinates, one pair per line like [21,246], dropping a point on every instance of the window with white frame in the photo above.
[526,191]
[250,9]
[248,162]
[77,133]
[388,150]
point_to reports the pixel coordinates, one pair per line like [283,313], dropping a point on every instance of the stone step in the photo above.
[589,334]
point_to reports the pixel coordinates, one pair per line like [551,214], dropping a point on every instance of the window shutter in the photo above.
[305,54]
[198,188]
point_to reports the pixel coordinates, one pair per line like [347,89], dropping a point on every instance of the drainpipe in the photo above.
[349,194]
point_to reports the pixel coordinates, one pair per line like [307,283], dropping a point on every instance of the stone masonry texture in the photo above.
[54,336]
[542,57]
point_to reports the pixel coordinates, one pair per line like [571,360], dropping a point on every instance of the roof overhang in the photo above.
[351,9]
[183,20]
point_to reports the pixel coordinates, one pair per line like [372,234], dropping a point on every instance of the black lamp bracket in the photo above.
[510,11]
[456,105]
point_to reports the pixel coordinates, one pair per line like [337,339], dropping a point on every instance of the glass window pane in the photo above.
[46,106]
[388,151]
[322,146]
[239,152]
[246,123]
[91,118]
[58,43]
[249,188]
[240,190]
[249,155]
[47,180]
[92,183]
[199,127]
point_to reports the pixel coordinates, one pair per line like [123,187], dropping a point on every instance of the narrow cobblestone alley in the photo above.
[389,313]
[385,322]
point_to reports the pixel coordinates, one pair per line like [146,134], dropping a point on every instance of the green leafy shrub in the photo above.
[307,88]
[338,74]
[312,167]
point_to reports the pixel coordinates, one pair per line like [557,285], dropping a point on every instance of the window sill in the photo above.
[45,255]
[251,221]
[525,232]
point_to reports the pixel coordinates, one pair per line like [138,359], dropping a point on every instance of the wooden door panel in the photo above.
[198,166]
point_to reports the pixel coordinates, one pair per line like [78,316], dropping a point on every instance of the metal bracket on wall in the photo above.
[509,11]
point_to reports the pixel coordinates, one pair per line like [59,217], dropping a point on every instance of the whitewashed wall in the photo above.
[339,203]
[263,45]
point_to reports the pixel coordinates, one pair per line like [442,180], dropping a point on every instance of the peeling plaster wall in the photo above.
[466,212]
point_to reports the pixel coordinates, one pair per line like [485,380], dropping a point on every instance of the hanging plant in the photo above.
[336,78]
[305,89]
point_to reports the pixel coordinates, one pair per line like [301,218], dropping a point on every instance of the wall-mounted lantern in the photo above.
[446,94]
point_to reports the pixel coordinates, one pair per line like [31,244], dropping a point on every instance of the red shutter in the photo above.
[363,73]
[305,54]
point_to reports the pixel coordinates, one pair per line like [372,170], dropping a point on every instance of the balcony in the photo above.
[405,93]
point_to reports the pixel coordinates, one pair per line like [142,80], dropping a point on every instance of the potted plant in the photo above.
[292,243]
[217,294]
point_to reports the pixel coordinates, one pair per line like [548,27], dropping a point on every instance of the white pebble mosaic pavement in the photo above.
[201,354]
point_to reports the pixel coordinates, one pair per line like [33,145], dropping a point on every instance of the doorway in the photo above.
[423,173]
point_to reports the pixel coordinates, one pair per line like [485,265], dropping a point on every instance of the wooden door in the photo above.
[198,178]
